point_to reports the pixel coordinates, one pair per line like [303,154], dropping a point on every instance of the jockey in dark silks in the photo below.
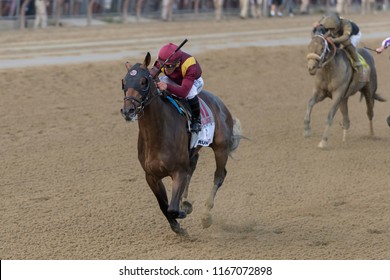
[182,78]
[342,32]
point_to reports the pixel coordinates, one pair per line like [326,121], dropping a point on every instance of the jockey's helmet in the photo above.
[165,53]
[331,23]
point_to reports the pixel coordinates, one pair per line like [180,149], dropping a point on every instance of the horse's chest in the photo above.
[154,162]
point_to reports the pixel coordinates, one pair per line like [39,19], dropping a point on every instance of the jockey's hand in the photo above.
[379,50]
[335,41]
[162,86]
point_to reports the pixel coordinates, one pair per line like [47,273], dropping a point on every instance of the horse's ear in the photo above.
[128,65]
[147,60]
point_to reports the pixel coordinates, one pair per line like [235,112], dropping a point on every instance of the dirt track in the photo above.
[72,188]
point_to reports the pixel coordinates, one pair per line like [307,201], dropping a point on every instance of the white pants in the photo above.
[196,87]
[167,10]
[218,4]
[355,39]
[244,8]
[40,14]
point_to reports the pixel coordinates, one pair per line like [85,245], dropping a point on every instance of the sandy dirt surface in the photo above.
[72,187]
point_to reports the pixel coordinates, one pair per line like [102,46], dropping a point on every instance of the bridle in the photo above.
[321,58]
[139,79]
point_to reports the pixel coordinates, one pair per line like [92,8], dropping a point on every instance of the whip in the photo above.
[163,64]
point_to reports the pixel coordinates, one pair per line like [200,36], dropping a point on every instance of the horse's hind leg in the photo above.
[346,122]
[159,191]
[370,107]
[221,157]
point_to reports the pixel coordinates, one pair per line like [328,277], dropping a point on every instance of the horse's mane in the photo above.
[319,30]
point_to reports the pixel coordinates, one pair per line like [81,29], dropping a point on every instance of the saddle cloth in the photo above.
[365,70]
[206,135]
[365,67]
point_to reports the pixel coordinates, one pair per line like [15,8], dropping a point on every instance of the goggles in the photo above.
[170,66]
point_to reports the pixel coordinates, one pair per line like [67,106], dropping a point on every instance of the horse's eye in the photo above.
[144,83]
[123,84]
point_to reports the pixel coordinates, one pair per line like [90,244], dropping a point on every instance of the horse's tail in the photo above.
[379,98]
[236,136]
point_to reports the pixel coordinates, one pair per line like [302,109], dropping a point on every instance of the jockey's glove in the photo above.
[333,40]
[162,93]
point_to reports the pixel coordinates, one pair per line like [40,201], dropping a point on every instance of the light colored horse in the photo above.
[335,78]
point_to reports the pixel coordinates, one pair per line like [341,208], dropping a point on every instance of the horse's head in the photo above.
[318,49]
[137,86]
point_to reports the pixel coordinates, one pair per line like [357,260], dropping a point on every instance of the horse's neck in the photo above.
[155,119]
[337,66]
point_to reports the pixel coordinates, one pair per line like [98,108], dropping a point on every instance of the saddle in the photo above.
[206,135]
[182,107]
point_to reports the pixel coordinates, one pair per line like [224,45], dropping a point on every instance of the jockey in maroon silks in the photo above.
[182,78]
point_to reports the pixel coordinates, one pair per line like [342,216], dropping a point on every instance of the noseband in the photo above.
[325,50]
[139,79]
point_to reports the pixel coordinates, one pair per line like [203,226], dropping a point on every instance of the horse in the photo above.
[163,142]
[335,78]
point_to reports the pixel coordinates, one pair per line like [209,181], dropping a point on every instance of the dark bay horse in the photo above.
[335,78]
[163,142]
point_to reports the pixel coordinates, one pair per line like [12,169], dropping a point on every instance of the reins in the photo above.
[326,49]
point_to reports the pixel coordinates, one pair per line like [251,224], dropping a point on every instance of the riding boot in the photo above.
[357,65]
[196,124]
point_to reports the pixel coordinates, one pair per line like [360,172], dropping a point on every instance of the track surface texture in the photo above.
[72,187]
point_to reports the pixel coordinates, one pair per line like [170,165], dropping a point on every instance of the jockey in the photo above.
[385,44]
[182,78]
[345,32]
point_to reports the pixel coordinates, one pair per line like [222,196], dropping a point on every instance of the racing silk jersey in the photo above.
[386,43]
[184,76]
[348,29]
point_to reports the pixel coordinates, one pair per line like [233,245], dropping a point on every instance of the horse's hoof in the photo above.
[307,133]
[181,215]
[179,231]
[175,226]
[182,232]
[187,207]
[207,220]
[177,214]
[323,145]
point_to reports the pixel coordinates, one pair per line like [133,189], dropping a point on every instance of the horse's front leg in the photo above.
[158,188]
[329,121]
[221,157]
[179,182]
[186,205]
[317,97]
[344,112]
